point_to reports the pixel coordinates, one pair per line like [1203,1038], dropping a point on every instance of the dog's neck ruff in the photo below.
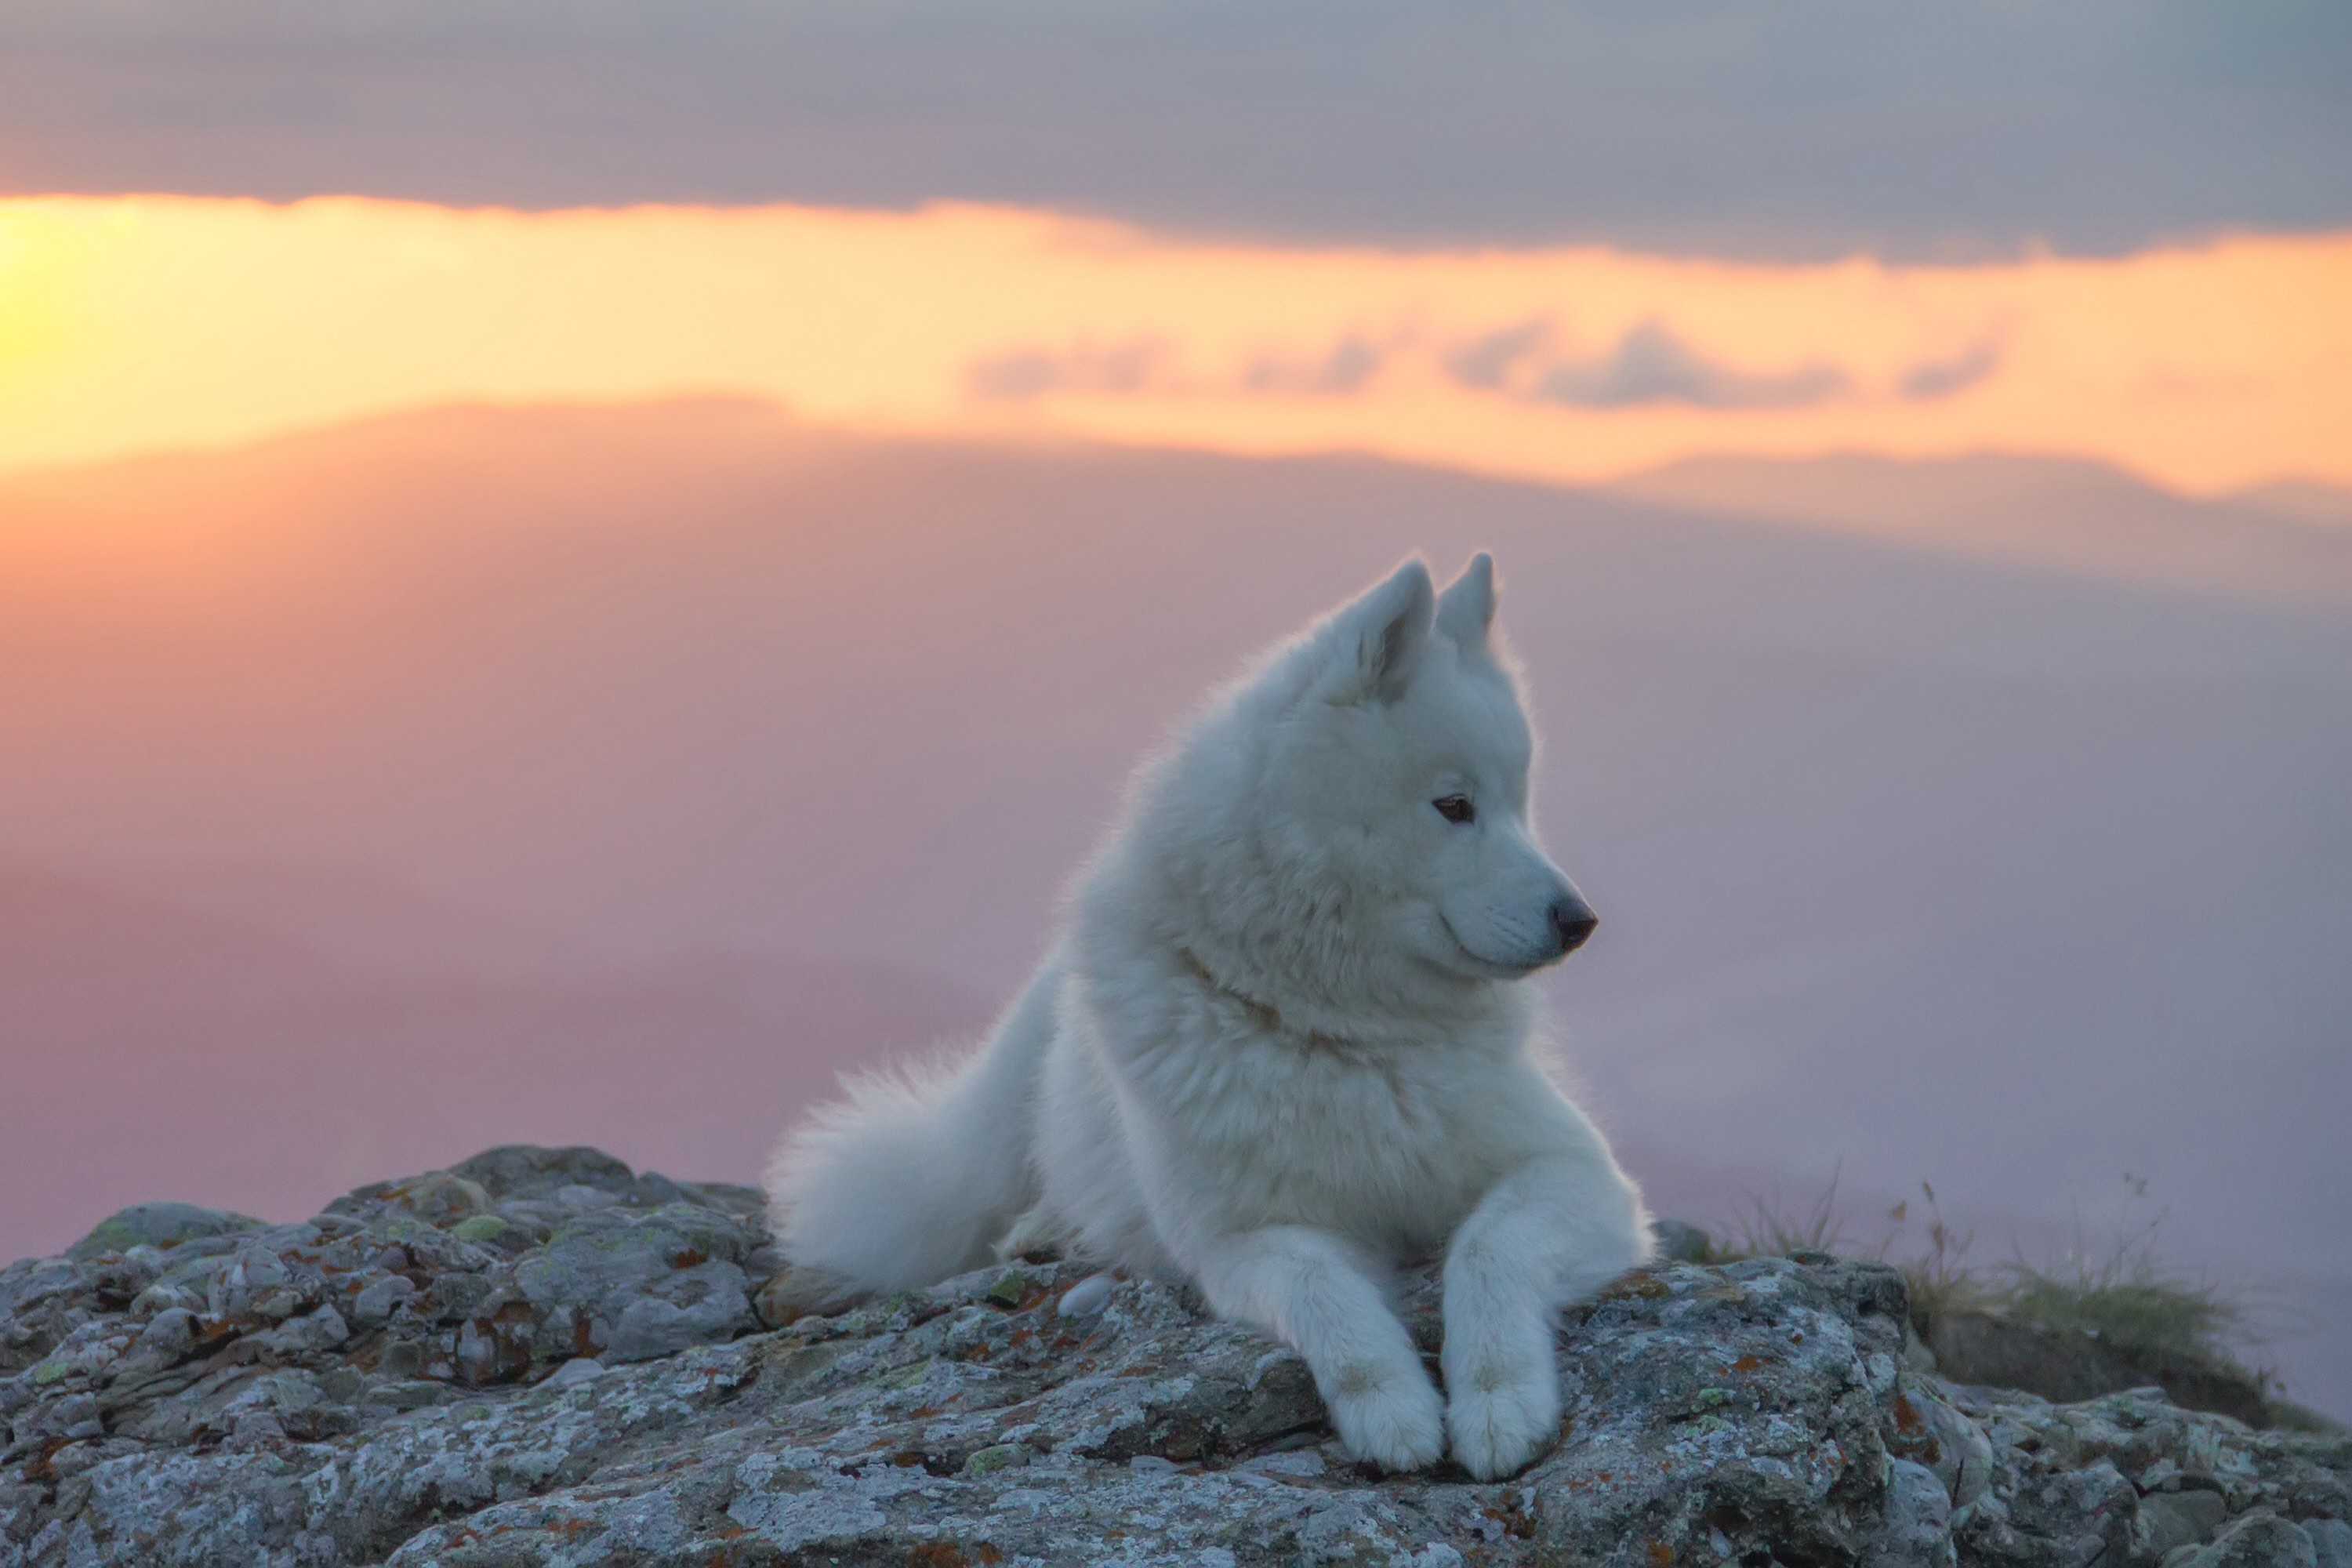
[1262,1013]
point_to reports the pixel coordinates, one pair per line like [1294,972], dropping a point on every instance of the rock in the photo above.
[159,1226]
[170,1334]
[2169,1521]
[631,1286]
[376,1302]
[525,1170]
[2264,1540]
[1916,1531]
[588,1385]
[2331,1541]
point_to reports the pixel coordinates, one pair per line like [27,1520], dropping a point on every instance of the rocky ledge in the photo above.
[540,1357]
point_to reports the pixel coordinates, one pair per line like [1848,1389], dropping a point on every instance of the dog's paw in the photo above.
[1500,1421]
[1391,1417]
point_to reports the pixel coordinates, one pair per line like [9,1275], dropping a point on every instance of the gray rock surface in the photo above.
[540,1357]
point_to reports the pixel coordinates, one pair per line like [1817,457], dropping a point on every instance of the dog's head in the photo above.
[1407,753]
[1363,799]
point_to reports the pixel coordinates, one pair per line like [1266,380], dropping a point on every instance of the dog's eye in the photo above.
[1455,808]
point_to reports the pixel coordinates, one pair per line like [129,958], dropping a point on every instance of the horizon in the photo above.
[162,323]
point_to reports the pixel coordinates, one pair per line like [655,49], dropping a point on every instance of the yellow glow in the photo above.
[150,322]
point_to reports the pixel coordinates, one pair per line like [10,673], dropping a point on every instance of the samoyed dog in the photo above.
[1281,1045]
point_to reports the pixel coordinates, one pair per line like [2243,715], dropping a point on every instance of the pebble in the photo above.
[1087,1297]
[575,1371]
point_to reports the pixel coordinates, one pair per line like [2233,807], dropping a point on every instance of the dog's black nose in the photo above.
[1574,920]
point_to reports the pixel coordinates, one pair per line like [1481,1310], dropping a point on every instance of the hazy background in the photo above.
[464,775]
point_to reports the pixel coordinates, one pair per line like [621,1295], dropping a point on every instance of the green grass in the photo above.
[2122,1292]
[2124,1295]
[2142,1313]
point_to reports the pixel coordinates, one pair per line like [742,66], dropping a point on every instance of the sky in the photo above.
[1809,129]
[1562,242]
[146,323]
[444,443]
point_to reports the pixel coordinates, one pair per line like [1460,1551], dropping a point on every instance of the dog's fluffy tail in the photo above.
[914,1177]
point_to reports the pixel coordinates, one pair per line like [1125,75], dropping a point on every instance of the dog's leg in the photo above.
[1305,1286]
[1549,1232]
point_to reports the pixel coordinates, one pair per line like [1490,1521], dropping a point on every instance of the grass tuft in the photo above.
[1764,1229]
[2122,1293]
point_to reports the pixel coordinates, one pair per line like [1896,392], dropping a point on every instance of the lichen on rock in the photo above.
[541,1356]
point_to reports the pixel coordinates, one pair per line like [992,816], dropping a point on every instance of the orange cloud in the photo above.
[152,322]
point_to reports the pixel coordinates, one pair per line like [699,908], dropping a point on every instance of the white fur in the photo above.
[1279,1047]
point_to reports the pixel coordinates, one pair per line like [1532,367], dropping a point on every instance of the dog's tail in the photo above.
[914,1177]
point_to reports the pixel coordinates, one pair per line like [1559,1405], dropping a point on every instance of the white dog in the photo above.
[1279,1046]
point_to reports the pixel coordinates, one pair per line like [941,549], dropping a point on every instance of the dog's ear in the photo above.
[1466,611]
[1374,643]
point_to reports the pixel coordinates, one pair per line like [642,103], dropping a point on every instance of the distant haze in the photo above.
[616,777]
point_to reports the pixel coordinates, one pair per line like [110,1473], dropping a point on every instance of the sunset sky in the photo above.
[148,322]
[1557,242]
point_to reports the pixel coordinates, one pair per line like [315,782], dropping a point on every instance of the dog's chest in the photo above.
[1390,1149]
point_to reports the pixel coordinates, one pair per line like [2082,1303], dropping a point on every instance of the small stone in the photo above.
[1011,1287]
[1087,1297]
[162,1298]
[255,1428]
[579,1196]
[2331,1541]
[480,1227]
[170,1334]
[1917,1528]
[376,1303]
[255,1273]
[438,1198]
[653,1189]
[400,1359]
[49,1371]
[75,1458]
[407,1396]
[2170,1521]
[1152,1464]
[997,1456]
[575,1371]
[164,1224]
[2263,1540]
[807,1292]
[279,1304]
[307,1335]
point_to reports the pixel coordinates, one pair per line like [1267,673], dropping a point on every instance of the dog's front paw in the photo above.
[1391,1417]
[1502,1419]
